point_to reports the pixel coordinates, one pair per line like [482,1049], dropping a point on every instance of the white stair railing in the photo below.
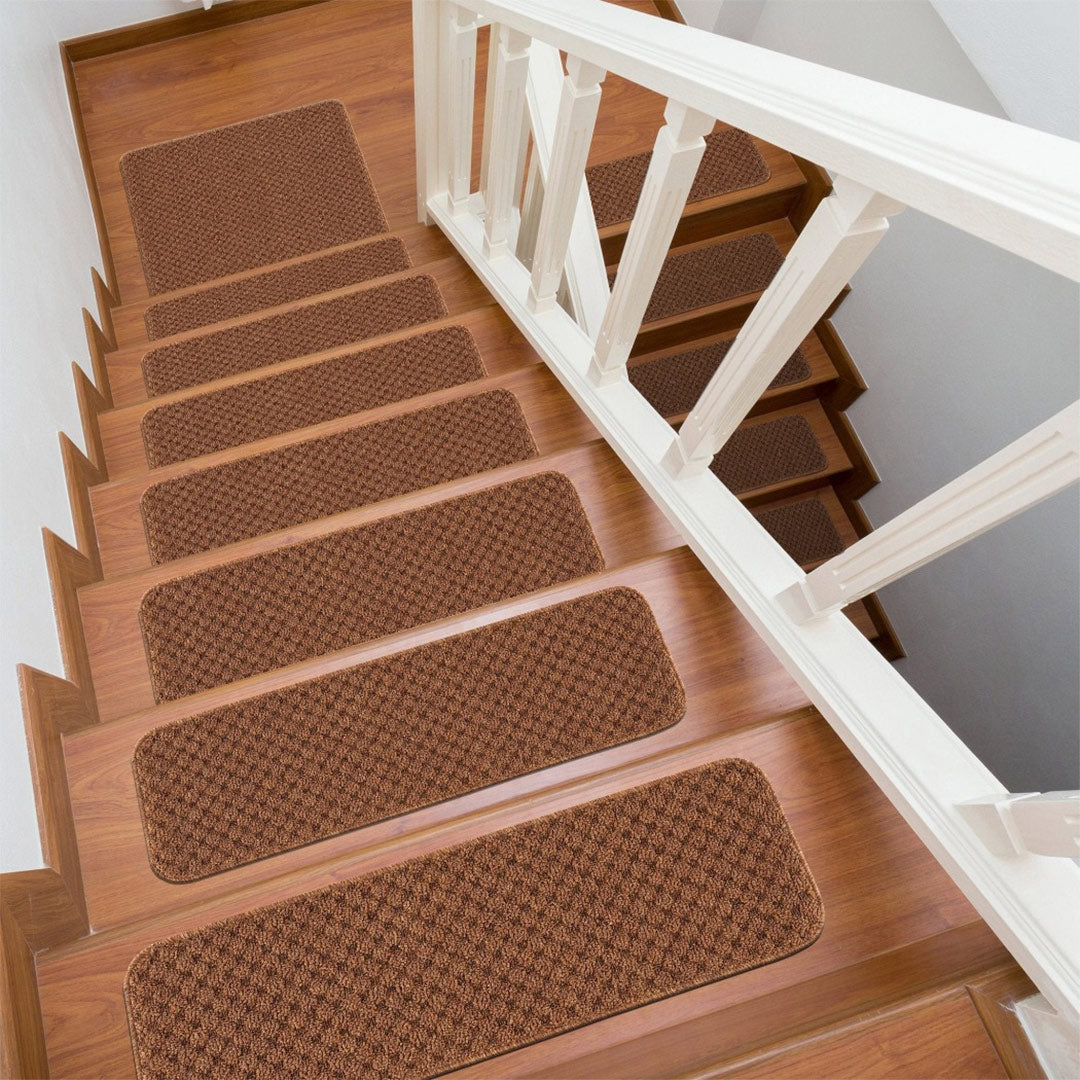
[1011,186]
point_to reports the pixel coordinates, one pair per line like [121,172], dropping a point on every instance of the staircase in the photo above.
[359,583]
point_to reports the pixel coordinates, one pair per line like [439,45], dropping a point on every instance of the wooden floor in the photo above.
[884,991]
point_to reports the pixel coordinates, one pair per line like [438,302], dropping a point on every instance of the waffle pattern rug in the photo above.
[412,729]
[731,162]
[275,404]
[249,194]
[319,477]
[293,282]
[770,452]
[378,309]
[348,587]
[466,953]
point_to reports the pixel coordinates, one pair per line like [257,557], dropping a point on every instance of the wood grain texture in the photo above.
[994,995]
[69,570]
[81,474]
[98,347]
[938,1038]
[91,405]
[500,344]
[22,1036]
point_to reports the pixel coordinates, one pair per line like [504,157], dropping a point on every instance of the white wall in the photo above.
[964,348]
[49,245]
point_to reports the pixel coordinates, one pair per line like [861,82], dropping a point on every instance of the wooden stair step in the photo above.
[672,379]
[420,247]
[556,424]
[626,523]
[940,1035]
[878,897]
[498,342]
[460,290]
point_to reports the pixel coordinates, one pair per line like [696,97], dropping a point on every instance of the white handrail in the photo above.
[1008,184]
[995,179]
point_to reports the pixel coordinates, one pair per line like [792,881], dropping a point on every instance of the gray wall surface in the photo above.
[964,348]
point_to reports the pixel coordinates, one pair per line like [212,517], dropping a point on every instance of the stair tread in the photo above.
[601,887]
[326,475]
[731,162]
[282,184]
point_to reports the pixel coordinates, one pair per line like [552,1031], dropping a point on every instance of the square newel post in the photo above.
[842,232]
[677,153]
[459,92]
[504,144]
[578,106]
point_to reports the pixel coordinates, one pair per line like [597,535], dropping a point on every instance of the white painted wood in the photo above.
[426,53]
[1045,823]
[1034,467]
[1054,1037]
[1011,185]
[842,232]
[489,105]
[504,150]
[459,92]
[677,153]
[921,765]
[578,106]
[531,203]
[585,272]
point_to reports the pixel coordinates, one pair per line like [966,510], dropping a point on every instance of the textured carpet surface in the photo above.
[769,453]
[803,529]
[249,194]
[469,952]
[266,290]
[731,161]
[309,395]
[378,309]
[712,274]
[402,732]
[312,598]
[672,384]
[319,477]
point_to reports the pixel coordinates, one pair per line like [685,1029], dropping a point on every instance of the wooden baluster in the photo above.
[676,156]
[531,204]
[578,106]
[505,141]
[1033,468]
[430,168]
[459,73]
[842,232]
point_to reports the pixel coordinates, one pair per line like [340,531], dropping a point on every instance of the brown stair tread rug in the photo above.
[405,731]
[378,309]
[466,953]
[348,587]
[249,194]
[803,529]
[673,384]
[308,395]
[711,274]
[267,290]
[319,477]
[762,454]
[731,162]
